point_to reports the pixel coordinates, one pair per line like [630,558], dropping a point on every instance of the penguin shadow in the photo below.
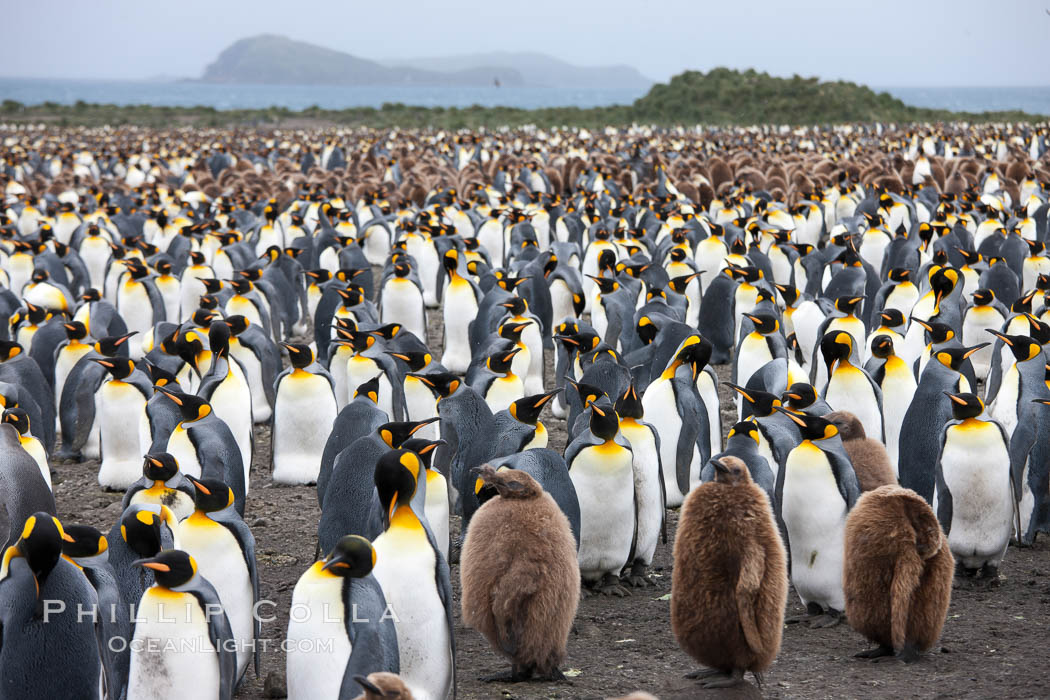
[687,688]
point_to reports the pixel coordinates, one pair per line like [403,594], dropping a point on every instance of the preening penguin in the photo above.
[729,584]
[898,573]
[519,575]
[870,461]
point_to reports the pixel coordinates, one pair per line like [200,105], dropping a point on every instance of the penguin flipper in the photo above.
[241,532]
[942,496]
[748,583]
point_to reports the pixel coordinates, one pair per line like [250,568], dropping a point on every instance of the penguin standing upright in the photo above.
[601,465]
[897,383]
[224,549]
[19,419]
[42,600]
[817,489]
[226,389]
[974,497]
[304,413]
[345,605]
[460,301]
[162,665]
[519,575]
[124,427]
[849,386]
[161,484]
[415,581]
[648,482]
[729,583]
[401,300]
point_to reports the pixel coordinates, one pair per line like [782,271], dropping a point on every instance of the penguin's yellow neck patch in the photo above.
[200,519]
[405,520]
[608,448]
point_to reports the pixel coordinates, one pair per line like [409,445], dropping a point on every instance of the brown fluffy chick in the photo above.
[898,573]
[519,576]
[870,460]
[383,686]
[730,582]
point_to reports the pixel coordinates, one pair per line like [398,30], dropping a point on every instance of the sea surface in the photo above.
[1035,100]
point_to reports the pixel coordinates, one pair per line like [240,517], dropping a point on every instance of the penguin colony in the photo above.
[164,294]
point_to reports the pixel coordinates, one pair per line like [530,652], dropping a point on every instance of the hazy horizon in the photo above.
[894,44]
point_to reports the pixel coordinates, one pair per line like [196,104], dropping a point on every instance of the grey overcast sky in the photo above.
[888,42]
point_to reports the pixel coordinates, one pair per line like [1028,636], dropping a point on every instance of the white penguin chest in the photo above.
[320,614]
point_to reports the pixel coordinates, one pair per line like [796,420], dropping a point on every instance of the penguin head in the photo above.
[396,475]
[799,396]
[117,367]
[746,428]
[443,384]
[695,354]
[629,405]
[954,357]
[414,360]
[788,292]
[527,409]
[604,422]
[191,407]
[91,295]
[159,466]
[1039,331]
[882,346]
[681,283]
[836,346]
[357,340]
[83,541]
[75,330]
[386,332]
[581,341]
[588,393]
[507,483]
[1023,303]
[40,545]
[238,324]
[318,276]
[965,405]
[900,274]
[762,402]
[811,427]
[848,305]
[936,333]
[395,433]
[423,448]
[301,356]
[983,297]
[211,495]
[647,330]
[731,470]
[764,323]
[160,376]
[891,318]
[141,527]
[512,331]
[1023,347]
[500,362]
[352,557]
[18,418]
[450,261]
[942,282]
[203,318]
[110,345]
[9,349]
[849,426]
[241,286]
[171,568]
[381,685]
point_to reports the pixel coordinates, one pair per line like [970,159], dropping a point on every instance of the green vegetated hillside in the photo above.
[719,97]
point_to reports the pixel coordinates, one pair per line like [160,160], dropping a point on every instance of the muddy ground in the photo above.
[994,642]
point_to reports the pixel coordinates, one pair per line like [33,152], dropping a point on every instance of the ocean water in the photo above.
[1035,100]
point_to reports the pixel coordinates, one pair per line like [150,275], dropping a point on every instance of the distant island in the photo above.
[720,97]
[277,60]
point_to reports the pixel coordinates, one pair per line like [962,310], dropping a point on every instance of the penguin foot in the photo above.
[702,673]
[990,574]
[813,610]
[724,680]
[877,653]
[828,619]
[610,585]
[909,654]
[639,576]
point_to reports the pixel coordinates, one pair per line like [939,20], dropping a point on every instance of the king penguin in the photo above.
[415,581]
[304,413]
[224,548]
[124,433]
[163,665]
[345,604]
[817,488]
[161,484]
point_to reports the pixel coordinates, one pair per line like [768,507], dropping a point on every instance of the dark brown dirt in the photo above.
[994,642]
